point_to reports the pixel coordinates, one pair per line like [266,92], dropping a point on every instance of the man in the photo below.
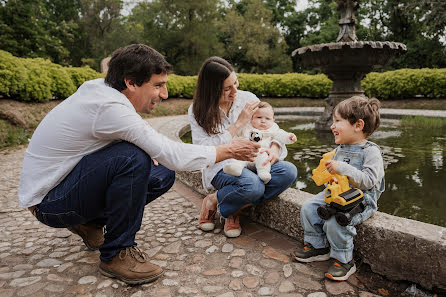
[89,162]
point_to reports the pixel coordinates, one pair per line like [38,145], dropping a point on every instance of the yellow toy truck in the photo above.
[341,200]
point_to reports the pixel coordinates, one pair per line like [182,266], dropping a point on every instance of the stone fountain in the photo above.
[346,61]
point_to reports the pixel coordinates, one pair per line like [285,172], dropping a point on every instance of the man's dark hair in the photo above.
[136,62]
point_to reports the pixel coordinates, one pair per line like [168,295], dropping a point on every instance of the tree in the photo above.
[184,31]
[251,41]
[28,30]
[98,19]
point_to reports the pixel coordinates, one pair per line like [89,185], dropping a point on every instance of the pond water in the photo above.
[414,158]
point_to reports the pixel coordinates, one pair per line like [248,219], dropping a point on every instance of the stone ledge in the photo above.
[398,248]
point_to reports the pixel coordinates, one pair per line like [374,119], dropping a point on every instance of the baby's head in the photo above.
[263,118]
[360,116]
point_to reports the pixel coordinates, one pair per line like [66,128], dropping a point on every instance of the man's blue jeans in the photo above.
[108,187]
[237,191]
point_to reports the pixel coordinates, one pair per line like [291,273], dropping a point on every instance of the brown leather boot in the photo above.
[132,266]
[92,235]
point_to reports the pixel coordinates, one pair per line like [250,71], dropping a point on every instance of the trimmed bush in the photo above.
[406,83]
[181,86]
[40,80]
[263,85]
[79,75]
[37,79]
[286,85]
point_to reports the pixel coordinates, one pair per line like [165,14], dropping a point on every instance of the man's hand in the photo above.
[292,137]
[238,148]
[155,162]
[332,166]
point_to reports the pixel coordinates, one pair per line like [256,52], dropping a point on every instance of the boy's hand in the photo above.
[155,162]
[332,166]
[292,137]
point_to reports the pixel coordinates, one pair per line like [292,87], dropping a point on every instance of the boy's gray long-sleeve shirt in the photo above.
[372,172]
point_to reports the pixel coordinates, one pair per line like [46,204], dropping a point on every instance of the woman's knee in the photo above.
[289,171]
[254,188]
[285,172]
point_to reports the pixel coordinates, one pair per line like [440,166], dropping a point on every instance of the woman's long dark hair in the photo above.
[211,77]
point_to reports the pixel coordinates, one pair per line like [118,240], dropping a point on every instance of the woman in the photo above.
[218,112]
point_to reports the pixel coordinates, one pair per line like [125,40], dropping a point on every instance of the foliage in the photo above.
[11,135]
[38,79]
[286,85]
[420,24]
[406,83]
[257,36]
[184,31]
[27,30]
[181,86]
[423,122]
[251,42]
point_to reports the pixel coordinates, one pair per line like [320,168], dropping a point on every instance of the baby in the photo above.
[264,130]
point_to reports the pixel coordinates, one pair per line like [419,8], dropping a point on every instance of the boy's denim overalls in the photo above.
[317,231]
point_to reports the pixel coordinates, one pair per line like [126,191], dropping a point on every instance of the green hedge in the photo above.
[398,84]
[286,85]
[37,79]
[181,86]
[406,83]
[40,80]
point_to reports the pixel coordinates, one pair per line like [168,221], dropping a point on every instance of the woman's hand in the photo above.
[273,154]
[244,118]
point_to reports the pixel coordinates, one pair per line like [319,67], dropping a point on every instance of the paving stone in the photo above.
[286,287]
[266,291]
[275,254]
[89,279]
[31,290]
[338,288]
[26,281]
[251,282]
[235,285]
[271,277]
[317,294]
[287,270]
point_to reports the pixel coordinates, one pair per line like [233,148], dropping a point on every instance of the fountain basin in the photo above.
[346,64]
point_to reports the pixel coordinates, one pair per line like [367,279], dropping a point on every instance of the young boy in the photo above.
[354,120]
[264,130]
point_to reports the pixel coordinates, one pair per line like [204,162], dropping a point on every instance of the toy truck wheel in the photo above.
[325,212]
[343,218]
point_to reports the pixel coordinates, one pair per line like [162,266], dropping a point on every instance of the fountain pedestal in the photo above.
[347,61]
[346,64]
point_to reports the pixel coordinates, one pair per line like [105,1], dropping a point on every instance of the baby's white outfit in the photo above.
[266,137]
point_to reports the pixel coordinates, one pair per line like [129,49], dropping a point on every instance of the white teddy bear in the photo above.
[264,137]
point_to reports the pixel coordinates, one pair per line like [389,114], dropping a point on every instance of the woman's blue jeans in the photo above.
[108,187]
[237,191]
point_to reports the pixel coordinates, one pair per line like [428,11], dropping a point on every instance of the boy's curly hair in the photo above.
[360,108]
